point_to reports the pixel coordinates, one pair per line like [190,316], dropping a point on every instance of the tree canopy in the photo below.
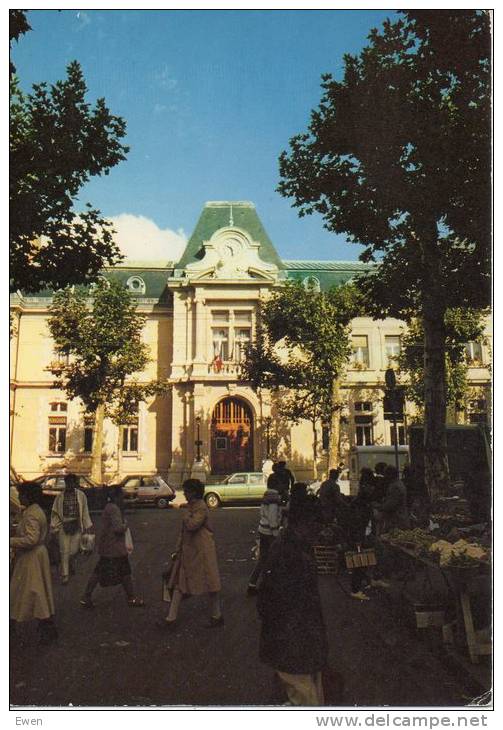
[58,141]
[301,348]
[103,339]
[462,326]
[398,157]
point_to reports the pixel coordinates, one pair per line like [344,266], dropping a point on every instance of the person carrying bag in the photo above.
[195,567]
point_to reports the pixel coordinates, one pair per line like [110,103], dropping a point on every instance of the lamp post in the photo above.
[198,442]
[390,378]
[267,422]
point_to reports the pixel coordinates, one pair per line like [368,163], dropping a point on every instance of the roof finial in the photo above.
[231,219]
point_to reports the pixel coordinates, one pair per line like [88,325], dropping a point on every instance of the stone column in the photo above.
[199,433]
[188,351]
[178,369]
[179,423]
[201,356]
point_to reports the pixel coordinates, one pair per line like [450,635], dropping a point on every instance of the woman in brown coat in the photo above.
[195,570]
[31,583]
[113,566]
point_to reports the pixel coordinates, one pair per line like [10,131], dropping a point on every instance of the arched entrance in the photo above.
[231,437]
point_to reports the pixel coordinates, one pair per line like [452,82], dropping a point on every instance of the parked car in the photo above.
[146,489]
[246,487]
[54,483]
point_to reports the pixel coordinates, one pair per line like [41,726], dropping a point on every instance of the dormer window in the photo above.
[311,283]
[136,285]
[100,280]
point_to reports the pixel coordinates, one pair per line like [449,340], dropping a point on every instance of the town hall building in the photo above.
[201,314]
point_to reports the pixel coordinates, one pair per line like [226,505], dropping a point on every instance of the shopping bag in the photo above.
[166,579]
[128,539]
[166,591]
[87,543]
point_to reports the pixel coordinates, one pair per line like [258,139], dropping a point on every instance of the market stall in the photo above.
[462,558]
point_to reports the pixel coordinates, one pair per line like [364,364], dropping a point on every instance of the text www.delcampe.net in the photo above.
[397,720]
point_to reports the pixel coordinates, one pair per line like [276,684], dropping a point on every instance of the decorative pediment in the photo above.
[231,255]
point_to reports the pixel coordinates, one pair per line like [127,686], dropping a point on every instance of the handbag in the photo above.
[166,591]
[360,558]
[166,579]
[87,543]
[128,539]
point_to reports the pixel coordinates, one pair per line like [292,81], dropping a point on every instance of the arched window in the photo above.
[312,283]
[136,285]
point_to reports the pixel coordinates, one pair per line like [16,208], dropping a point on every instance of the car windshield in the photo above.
[161,482]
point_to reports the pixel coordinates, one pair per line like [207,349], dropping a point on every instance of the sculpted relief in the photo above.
[231,255]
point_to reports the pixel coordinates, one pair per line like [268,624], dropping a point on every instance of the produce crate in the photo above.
[327,559]
[360,558]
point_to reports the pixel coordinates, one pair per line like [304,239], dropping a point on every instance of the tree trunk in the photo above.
[97,452]
[334,435]
[315,451]
[436,467]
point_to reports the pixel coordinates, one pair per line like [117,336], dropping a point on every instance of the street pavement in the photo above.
[115,655]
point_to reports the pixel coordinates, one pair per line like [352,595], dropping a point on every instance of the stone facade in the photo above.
[200,313]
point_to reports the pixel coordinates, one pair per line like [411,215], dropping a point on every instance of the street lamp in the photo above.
[267,423]
[198,442]
[390,379]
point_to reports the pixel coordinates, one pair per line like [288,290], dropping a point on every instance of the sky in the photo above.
[211,98]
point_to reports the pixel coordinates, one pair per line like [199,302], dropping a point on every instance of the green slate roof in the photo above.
[328,273]
[155,280]
[223,213]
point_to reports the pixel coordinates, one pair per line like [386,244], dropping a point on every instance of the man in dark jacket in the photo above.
[330,496]
[284,480]
[293,637]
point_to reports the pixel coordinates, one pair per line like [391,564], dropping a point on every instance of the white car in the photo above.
[147,489]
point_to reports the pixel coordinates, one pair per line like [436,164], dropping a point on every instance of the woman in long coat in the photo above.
[195,570]
[31,583]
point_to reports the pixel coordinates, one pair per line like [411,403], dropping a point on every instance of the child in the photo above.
[268,528]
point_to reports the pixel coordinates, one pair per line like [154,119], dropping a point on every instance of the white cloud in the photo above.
[83,19]
[140,239]
[165,79]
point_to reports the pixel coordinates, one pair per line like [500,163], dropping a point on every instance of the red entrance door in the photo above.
[231,437]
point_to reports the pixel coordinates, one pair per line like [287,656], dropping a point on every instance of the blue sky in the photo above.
[211,98]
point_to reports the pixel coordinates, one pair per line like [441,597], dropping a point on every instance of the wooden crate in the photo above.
[327,559]
[360,558]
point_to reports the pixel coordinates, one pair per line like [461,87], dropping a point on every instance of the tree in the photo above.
[57,143]
[398,156]
[18,26]
[102,336]
[300,351]
[461,326]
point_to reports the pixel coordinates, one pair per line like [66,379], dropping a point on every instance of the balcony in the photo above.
[224,369]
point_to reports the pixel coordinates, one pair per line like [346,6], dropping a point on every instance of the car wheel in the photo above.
[162,502]
[212,500]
